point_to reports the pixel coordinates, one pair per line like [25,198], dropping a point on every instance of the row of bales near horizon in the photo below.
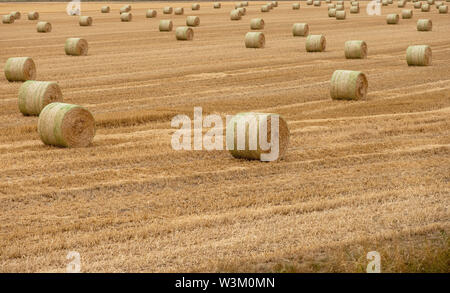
[225,136]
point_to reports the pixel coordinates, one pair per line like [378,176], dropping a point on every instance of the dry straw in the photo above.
[20,69]
[184,33]
[300,29]
[443,9]
[315,43]
[151,13]
[16,15]
[340,7]
[355,49]
[126,16]
[407,13]
[167,10]
[275,3]
[192,21]
[424,25]
[179,11]
[348,85]
[340,15]
[419,55]
[85,21]
[8,18]
[242,11]
[33,15]
[195,6]
[354,9]
[235,15]
[255,40]
[76,47]
[217,5]
[105,9]
[165,25]
[392,18]
[257,24]
[66,125]
[330,6]
[35,95]
[425,7]
[43,27]
[296,6]
[265,8]
[240,128]
[238,4]
[126,8]
[332,12]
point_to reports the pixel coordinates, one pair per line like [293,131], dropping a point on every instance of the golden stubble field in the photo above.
[355,172]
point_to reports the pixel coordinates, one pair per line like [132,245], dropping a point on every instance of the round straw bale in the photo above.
[8,18]
[443,9]
[165,25]
[192,20]
[332,12]
[245,3]
[217,5]
[126,16]
[270,5]
[275,3]
[340,7]
[167,10]
[76,47]
[348,85]
[238,4]
[315,43]
[151,13]
[179,11]
[125,8]
[106,9]
[300,29]
[331,6]
[235,14]
[417,5]
[340,15]
[317,3]
[265,8]
[35,95]
[242,11]
[424,25]
[195,6]
[66,125]
[392,18]
[255,40]
[425,7]
[85,21]
[184,33]
[257,24]
[243,139]
[43,27]
[296,6]
[354,9]
[407,13]
[419,55]
[401,4]
[33,15]
[309,2]
[20,69]
[355,49]
[16,14]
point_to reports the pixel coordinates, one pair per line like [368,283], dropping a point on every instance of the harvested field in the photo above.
[357,174]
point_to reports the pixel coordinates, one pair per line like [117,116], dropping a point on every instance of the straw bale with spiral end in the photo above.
[348,85]
[35,95]
[418,55]
[20,69]
[76,47]
[355,49]
[315,43]
[255,40]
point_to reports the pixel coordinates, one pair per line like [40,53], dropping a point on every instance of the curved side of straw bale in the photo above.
[20,69]
[35,95]
[348,85]
[66,125]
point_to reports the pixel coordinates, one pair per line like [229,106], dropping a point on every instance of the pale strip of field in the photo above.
[355,171]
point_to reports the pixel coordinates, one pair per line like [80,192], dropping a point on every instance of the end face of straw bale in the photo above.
[348,85]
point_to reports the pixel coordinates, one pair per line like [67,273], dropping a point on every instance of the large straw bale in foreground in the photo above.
[66,125]
[348,85]
[243,136]
[20,69]
[76,47]
[418,55]
[355,49]
[255,40]
[35,95]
